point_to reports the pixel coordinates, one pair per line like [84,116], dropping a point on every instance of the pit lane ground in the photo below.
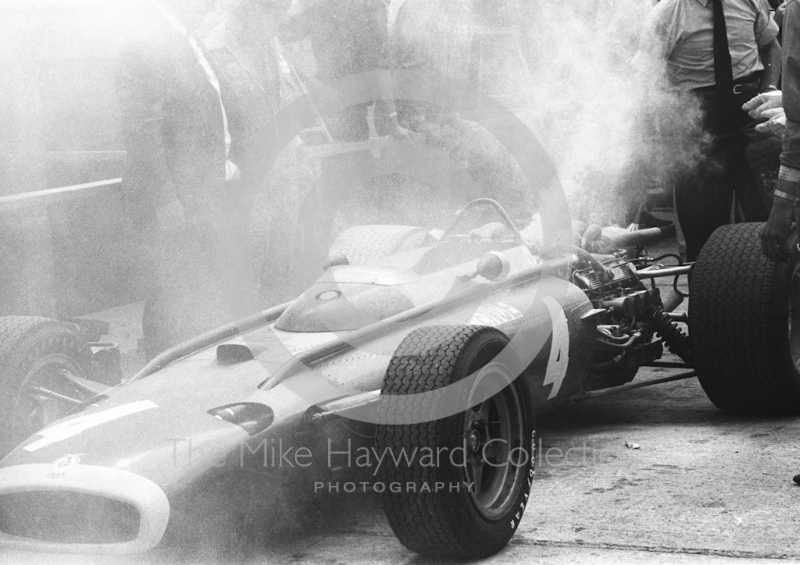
[654,475]
[702,487]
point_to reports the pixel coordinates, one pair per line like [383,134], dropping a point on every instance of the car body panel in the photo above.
[161,427]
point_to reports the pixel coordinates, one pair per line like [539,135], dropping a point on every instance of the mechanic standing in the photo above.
[179,143]
[349,39]
[724,52]
[786,204]
[782,112]
[242,51]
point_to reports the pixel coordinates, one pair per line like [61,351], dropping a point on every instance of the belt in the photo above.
[742,85]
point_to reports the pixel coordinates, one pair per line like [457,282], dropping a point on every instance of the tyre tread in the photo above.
[426,360]
[734,313]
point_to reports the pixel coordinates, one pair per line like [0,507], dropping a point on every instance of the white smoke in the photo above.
[611,136]
[613,131]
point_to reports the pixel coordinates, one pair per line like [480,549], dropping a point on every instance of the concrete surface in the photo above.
[701,484]
[703,487]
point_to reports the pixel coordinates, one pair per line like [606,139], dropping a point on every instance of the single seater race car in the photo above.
[415,366]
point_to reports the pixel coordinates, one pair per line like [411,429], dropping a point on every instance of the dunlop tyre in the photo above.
[450,524]
[744,315]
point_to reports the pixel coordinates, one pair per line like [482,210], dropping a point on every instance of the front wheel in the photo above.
[455,487]
[44,374]
[744,315]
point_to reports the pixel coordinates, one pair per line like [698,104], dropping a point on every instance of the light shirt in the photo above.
[682,33]
[231,170]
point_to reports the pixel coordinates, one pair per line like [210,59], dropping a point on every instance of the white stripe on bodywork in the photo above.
[495,315]
[559,350]
[73,427]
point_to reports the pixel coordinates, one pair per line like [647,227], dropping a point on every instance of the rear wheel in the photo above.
[744,315]
[44,367]
[465,500]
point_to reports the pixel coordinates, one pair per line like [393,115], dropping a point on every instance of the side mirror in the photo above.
[493,266]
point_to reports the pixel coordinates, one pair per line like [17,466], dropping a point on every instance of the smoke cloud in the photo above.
[613,131]
[566,69]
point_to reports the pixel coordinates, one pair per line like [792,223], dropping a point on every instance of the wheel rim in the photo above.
[494,436]
[51,389]
[794,317]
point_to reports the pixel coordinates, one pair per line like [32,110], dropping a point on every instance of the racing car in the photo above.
[415,364]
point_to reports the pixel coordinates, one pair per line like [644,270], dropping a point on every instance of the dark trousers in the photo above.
[341,175]
[704,195]
[183,271]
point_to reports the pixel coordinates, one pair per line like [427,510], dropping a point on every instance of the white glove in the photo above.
[757,105]
[776,123]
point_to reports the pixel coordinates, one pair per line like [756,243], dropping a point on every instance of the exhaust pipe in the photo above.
[642,237]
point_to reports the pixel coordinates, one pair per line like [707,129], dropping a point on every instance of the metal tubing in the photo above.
[54,395]
[640,237]
[627,345]
[653,273]
[626,388]
[346,405]
[53,195]
[677,317]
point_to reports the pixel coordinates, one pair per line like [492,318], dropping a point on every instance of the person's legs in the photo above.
[726,119]
[148,243]
[237,277]
[313,226]
[190,298]
[703,203]
[186,288]
[704,199]
[741,178]
[339,176]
